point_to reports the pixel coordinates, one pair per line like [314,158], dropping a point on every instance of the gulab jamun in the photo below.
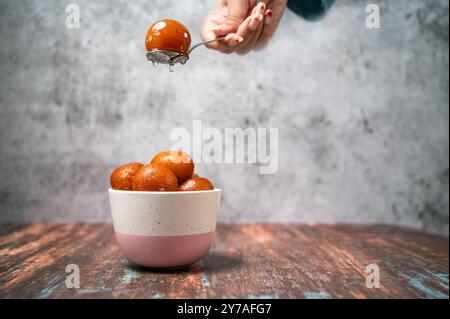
[196,184]
[154,178]
[121,177]
[168,35]
[179,162]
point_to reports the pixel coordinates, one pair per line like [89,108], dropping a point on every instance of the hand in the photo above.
[246,24]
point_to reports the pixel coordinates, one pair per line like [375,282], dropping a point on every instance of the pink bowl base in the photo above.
[164,251]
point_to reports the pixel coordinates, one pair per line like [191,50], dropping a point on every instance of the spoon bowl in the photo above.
[168,42]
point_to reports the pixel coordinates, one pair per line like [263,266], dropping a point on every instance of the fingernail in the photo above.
[262,7]
[254,23]
[235,41]
[216,28]
[268,16]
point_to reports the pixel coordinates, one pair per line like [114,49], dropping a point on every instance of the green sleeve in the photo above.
[310,9]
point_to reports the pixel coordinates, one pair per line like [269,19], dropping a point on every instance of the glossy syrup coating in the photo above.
[179,162]
[154,178]
[196,184]
[169,35]
[121,177]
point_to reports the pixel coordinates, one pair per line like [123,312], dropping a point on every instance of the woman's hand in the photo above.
[246,24]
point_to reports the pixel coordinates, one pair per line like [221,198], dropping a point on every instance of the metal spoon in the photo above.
[171,57]
[204,43]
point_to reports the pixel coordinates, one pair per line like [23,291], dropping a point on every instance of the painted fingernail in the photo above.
[261,7]
[268,16]
[235,41]
[254,23]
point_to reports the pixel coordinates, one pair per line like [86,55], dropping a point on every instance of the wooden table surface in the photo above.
[246,261]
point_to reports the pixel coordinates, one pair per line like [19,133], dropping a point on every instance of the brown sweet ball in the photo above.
[180,163]
[154,178]
[196,184]
[168,35]
[194,175]
[121,177]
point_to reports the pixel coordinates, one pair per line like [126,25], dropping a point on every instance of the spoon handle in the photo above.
[203,43]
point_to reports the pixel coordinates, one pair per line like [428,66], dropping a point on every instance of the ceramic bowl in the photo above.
[164,229]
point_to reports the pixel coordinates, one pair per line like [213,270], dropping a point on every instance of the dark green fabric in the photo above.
[310,9]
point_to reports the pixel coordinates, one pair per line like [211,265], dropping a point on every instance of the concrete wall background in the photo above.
[363,115]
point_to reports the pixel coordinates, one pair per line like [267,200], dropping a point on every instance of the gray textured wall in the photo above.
[363,115]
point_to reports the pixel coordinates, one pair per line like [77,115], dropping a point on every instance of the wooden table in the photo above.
[246,261]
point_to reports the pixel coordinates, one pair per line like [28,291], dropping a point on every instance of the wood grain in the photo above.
[246,261]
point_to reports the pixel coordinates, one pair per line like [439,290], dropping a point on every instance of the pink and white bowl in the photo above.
[164,229]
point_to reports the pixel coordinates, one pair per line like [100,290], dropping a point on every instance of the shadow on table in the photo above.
[213,262]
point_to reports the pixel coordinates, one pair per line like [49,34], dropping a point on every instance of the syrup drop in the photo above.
[171,67]
[155,64]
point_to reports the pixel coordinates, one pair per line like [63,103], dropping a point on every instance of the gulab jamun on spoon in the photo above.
[169,42]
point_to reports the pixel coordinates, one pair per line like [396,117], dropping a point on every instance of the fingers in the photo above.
[249,29]
[237,12]
[242,32]
[207,35]
[271,21]
[233,39]
[224,21]
[244,49]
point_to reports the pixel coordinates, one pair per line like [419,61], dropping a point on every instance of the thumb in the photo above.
[237,12]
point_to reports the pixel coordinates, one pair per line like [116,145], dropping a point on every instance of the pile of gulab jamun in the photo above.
[167,172]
